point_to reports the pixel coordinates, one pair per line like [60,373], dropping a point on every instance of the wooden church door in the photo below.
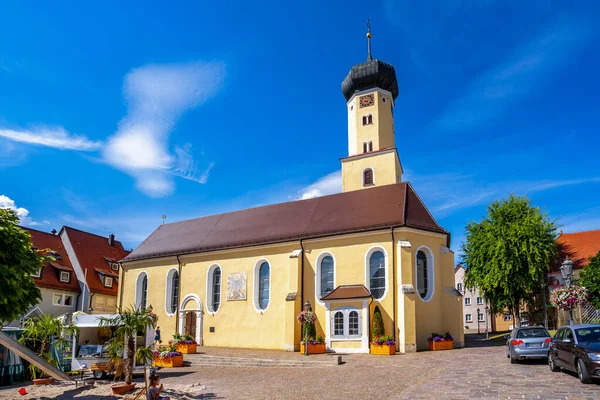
[190,323]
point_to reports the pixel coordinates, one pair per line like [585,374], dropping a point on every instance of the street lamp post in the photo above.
[478,331]
[487,334]
[306,308]
[566,270]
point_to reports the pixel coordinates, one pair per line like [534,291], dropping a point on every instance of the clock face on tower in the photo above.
[366,100]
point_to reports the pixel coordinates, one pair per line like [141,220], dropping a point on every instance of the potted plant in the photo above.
[38,335]
[184,344]
[126,325]
[441,341]
[167,357]
[381,344]
[315,345]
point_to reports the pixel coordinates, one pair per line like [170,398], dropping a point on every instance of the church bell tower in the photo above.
[370,89]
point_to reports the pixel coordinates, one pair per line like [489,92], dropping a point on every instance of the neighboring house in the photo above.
[240,279]
[56,279]
[95,261]
[475,316]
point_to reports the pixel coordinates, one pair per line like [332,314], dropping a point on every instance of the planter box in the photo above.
[186,348]
[445,345]
[314,348]
[122,388]
[383,349]
[169,362]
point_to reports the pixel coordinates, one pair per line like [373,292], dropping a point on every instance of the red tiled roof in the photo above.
[346,292]
[50,276]
[579,246]
[92,252]
[381,207]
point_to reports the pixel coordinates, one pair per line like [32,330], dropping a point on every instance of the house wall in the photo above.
[47,306]
[103,303]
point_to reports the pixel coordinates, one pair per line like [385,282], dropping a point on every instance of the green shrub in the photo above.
[377,328]
[312,331]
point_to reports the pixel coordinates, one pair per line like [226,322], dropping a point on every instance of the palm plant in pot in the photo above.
[126,325]
[380,343]
[38,335]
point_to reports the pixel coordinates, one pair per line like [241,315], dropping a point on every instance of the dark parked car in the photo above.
[527,342]
[577,348]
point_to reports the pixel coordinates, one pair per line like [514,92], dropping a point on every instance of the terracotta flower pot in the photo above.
[122,388]
[445,345]
[186,348]
[383,349]
[43,381]
[318,348]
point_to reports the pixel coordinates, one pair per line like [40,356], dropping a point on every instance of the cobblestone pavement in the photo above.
[471,373]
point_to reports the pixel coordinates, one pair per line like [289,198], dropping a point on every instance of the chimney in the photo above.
[111,240]
[53,231]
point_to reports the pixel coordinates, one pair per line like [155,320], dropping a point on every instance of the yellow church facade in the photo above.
[240,279]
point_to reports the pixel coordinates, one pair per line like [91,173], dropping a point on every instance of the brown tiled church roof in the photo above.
[380,207]
[347,292]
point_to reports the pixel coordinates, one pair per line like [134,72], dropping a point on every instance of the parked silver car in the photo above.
[528,342]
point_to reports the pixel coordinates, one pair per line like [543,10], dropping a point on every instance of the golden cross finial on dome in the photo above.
[369,58]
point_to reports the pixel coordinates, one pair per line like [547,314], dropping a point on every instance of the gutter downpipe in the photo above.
[394,285]
[302,276]
[178,292]
[121,287]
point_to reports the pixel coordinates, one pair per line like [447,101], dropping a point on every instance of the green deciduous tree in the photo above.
[508,253]
[18,261]
[590,279]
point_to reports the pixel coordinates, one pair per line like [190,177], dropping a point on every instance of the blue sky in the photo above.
[112,115]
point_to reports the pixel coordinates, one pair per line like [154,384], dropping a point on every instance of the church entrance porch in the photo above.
[347,319]
[190,317]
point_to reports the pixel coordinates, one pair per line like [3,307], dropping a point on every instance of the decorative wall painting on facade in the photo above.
[236,286]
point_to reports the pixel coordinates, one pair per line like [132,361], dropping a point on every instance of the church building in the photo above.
[239,279]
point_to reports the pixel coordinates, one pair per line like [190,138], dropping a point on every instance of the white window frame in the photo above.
[368,270]
[318,275]
[480,317]
[430,273]
[459,287]
[479,300]
[114,266]
[60,299]
[469,318]
[467,301]
[67,274]
[138,289]
[109,279]
[363,177]
[37,274]
[169,291]
[209,289]
[255,286]
[65,298]
[346,310]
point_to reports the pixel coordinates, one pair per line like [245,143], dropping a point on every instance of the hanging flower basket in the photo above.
[441,342]
[568,297]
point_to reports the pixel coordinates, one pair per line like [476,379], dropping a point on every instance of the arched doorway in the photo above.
[190,317]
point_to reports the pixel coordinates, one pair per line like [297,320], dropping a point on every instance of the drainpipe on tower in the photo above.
[179,291]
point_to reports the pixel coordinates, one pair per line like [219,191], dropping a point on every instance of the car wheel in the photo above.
[98,374]
[552,364]
[513,360]
[582,372]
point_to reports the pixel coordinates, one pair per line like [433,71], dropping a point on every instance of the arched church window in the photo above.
[377,274]
[338,324]
[353,323]
[424,274]
[370,146]
[326,276]
[172,291]
[367,119]
[141,291]
[368,177]
[264,277]
[214,288]
[365,147]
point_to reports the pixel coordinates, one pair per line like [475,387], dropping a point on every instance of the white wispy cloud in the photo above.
[23,213]
[491,92]
[157,95]
[582,221]
[329,184]
[57,138]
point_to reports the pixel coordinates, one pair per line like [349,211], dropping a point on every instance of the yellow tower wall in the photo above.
[385,165]
[380,132]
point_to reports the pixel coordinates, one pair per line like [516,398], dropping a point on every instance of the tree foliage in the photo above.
[508,253]
[18,261]
[126,326]
[377,329]
[590,279]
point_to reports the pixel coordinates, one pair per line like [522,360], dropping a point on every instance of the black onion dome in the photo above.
[368,75]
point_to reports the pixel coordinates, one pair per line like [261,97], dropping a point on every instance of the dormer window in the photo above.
[65,276]
[37,274]
[367,119]
[114,266]
[108,281]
